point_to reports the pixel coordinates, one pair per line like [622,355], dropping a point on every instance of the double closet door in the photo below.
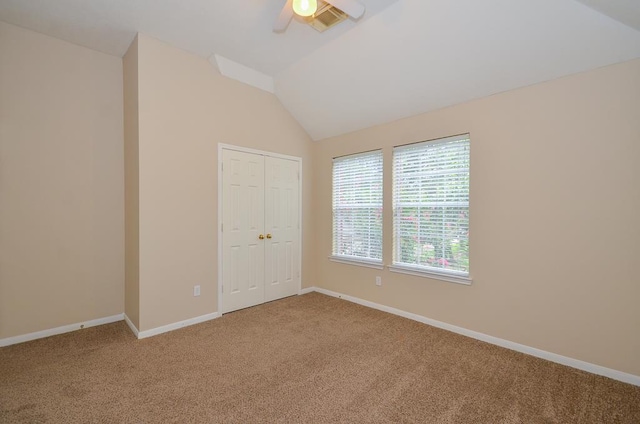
[260,229]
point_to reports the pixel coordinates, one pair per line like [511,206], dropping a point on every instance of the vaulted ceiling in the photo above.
[403,57]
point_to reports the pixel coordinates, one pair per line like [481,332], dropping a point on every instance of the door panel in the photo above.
[242,223]
[282,223]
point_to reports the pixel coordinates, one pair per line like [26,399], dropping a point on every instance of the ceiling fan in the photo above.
[308,8]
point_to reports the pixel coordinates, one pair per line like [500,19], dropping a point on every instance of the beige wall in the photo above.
[185,109]
[555,195]
[61,183]
[131,234]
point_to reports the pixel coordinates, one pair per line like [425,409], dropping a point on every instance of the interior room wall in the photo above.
[131,185]
[553,217]
[61,183]
[554,197]
[185,109]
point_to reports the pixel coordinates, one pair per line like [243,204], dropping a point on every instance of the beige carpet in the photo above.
[310,358]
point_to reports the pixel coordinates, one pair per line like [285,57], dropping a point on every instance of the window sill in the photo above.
[419,272]
[358,262]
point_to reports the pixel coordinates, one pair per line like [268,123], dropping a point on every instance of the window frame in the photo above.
[450,275]
[352,259]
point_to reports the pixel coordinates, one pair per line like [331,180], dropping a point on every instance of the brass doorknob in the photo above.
[261,237]
[268,236]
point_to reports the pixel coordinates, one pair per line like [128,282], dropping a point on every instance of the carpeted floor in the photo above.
[311,359]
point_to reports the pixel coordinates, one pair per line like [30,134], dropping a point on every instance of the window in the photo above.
[431,208]
[357,208]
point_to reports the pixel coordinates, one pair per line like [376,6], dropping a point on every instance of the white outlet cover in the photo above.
[196,290]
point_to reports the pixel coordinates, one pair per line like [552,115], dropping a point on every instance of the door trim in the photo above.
[223,146]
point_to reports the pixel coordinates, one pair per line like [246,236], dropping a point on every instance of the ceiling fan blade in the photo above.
[284,18]
[353,8]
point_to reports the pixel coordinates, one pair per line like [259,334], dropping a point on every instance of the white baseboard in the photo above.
[307,290]
[174,326]
[59,330]
[133,328]
[549,356]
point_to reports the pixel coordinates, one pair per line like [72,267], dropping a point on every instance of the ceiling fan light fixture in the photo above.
[305,7]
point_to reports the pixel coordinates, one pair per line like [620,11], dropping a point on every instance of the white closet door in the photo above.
[282,273]
[242,224]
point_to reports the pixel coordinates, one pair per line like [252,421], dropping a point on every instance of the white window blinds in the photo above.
[357,206]
[431,205]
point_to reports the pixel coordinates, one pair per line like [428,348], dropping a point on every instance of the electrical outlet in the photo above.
[378,281]
[196,290]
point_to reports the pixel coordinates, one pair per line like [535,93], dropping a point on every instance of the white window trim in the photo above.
[353,260]
[430,273]
[433,142]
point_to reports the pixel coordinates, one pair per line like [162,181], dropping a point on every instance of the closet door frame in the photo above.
[221,147]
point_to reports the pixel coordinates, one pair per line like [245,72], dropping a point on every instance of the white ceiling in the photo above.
[403,57]
[625,11]
[240,30]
